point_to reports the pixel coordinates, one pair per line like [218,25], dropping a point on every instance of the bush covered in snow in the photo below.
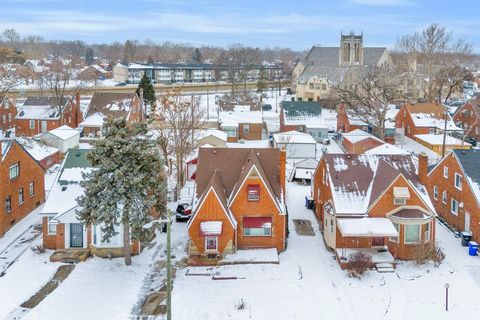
[358,263]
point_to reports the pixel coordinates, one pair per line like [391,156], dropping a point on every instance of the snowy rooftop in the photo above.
[386,148]
[437,139]
[293,137]
[430,120]
[39,112]
[234,118]
[95,120]
[212,132]
[358,135]
[36,149]
[64,132]
[367,227]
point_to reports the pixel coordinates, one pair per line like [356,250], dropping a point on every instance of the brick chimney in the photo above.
[283,168]
[423,168]
[78,112]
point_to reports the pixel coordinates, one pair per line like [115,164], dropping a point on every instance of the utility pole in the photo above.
[447,285]
[445,132]
[169,269]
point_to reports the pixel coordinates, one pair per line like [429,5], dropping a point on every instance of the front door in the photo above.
[378,242]
[467,222]
[76,235]
[44,126]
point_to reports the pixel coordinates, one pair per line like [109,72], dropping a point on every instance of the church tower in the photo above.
[351,49]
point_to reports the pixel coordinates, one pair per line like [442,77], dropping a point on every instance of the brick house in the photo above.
[46,155]
[60,227]
[22,184]
[8,110]
[240,201]
[359,141]
[424,118]
[467,117]
[42,114]
[111,105]
[372,203]
[241,124]
[453,186]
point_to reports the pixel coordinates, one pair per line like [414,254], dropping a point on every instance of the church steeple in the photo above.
[351,49]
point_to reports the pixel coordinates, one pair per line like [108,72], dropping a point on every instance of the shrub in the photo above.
[358,263]
[38,249]
[429,251]
[241,305]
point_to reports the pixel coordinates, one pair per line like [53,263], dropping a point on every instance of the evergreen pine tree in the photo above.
[148,91]
[262,82]
[89,55]
[197,56]
[126,184]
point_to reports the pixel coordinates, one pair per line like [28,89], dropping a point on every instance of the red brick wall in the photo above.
[265,207]
[435,178]
[360,146]
[30,171]
[472,120]
[211,210]
[254,133]
[23,126]
[404,120]
[50,160]
[5,112]
[321,192]
[49,241]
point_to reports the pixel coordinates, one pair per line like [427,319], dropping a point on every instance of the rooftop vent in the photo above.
[64,188]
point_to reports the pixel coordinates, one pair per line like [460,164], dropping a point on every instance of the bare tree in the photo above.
[442,57]
[369,97]
[8,79]
[12,37]
[176,121]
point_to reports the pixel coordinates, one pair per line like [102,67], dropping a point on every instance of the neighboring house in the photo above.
[241,124]
[46,155]
[240,201]
[299,145]
[467,117]
[387,148]
[374,204]
[424,118]
[303,116]
[323,67]
[111,105]
[42,114]
[213,137]
[22,184]
[359,141]
[63,138]
[60,225]
[434,142]
[8,111]
[454,188]
[303,170]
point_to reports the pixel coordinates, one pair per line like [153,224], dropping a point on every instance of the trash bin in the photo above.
[472,248]
[466,237]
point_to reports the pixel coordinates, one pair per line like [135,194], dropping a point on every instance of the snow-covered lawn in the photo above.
[308,284]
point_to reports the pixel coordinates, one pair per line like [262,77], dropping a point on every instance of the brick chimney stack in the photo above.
[423,168]
[78,112]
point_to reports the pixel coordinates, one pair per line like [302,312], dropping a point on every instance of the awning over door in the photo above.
[367,227]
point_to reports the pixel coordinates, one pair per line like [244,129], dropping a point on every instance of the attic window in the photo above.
[401,194]
[253,192]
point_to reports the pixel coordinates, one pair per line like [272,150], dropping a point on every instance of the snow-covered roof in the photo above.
[4,147]
[437,139]
[95,120]
[36,149]
[429,120]
[234,118]
[293,137]
[213,132]
[64,132]
[39,112]
[249,144]
[367,227]
[358,135]
[386,148]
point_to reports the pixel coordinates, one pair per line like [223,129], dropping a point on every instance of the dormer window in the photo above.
[253,191]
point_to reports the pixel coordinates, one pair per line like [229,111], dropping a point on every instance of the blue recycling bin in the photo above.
[472,248]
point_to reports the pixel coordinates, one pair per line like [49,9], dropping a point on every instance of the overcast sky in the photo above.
[297,24]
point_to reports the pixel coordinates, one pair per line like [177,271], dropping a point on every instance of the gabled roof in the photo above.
[469,160]
[111,104]
[64,132]
[40,108]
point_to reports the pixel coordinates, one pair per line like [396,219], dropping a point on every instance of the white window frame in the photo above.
[14,171]
[51,227]
[31,189]
[445,172]
[452,201]
[246,128]
[32,124]
[216,244]
[427,232]
[444,197]
[459,177]
[399,201]
[405,233]
[435,193]
[21,196]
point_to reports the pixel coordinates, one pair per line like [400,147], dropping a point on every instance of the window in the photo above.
[395,239]
[400,201]
[435,192]
[310,85]
[231,132]
[444,197]
[52,227]
[9,117]
[454,207]
[412,233]
[427,232]
[445,172]
[211,244]
[4,117]
[253,191]
[331,225]
[14,170]
[32,124]
[246,128]
[257,226]
[31,189]
[8,203]
[458,181]
[324,87]
[20,196]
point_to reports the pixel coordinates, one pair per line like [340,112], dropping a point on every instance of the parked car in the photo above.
[267,107]
[184,211]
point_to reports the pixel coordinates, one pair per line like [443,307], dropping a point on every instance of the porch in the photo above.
[70,255]
[377,254]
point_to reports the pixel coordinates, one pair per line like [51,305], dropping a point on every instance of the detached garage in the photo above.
[62,138]
[299,145]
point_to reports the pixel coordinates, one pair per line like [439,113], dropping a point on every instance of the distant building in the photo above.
[467,117]
[314,75]
[8,111]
